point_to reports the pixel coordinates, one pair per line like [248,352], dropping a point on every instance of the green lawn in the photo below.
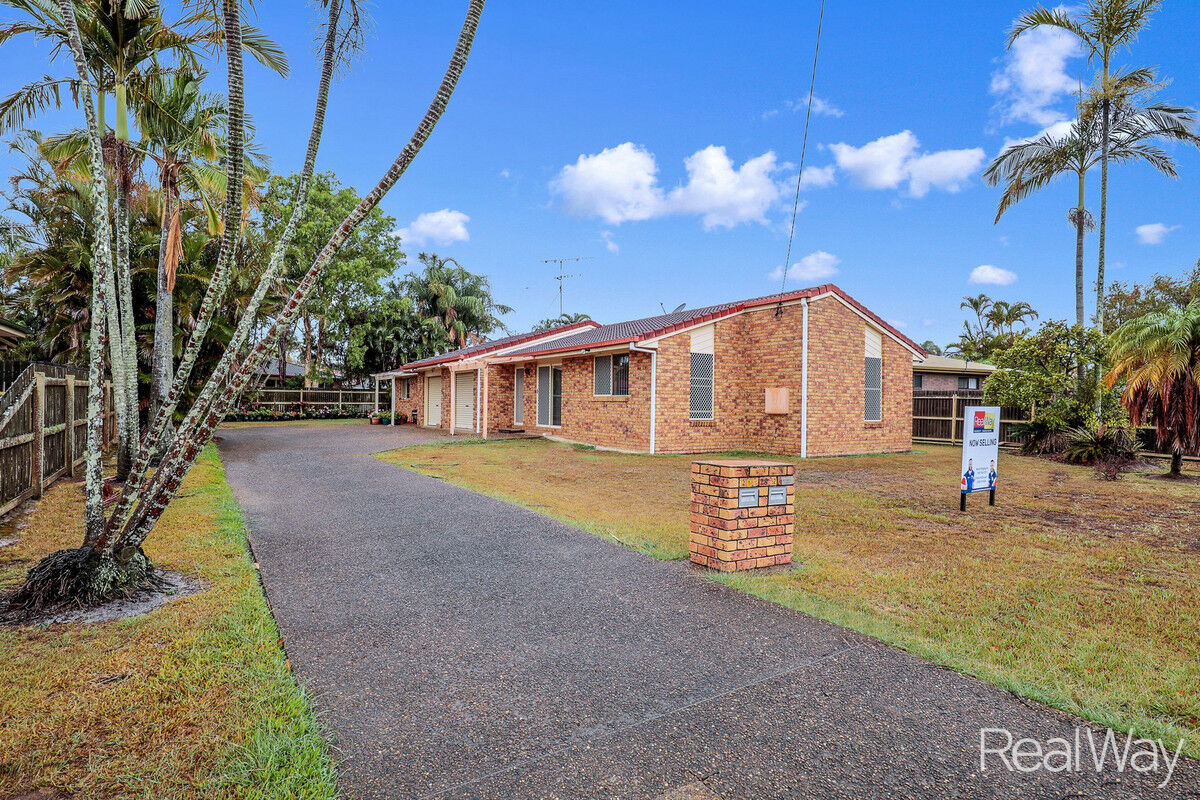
[1076,592]
[193,700]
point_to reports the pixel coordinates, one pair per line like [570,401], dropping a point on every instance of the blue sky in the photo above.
[660,140]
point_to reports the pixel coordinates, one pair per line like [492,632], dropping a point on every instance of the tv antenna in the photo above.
[561,276]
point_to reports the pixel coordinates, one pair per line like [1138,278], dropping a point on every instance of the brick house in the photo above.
[810,372]
[943,374]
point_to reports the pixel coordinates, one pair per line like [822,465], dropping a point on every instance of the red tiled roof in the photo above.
[652,327]
[496,344]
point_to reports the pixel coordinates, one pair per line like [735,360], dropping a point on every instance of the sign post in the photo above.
[981,447]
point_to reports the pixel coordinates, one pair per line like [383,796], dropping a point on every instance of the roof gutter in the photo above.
[653,351]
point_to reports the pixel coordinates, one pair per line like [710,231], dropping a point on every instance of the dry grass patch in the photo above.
[1073,591]
[192,700]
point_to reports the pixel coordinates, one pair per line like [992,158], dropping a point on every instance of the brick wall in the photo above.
[836,393]
[728,536]
[763,349]
[620,422]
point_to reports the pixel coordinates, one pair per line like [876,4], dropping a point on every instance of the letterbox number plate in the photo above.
[777,496]
[787,480]
[748,498]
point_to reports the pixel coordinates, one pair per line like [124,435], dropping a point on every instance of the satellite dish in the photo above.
[679,308]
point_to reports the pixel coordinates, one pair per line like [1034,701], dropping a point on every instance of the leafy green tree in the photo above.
[1038,373]
[931,347]
[1124,302]
[460,300]
[353,278]
[1157,359]
[389,332]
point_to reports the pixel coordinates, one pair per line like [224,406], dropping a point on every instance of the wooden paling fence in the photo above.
[43,429]
[938,416]
[363,399]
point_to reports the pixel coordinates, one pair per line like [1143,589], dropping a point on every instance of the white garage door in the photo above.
[433,401]
[464,401]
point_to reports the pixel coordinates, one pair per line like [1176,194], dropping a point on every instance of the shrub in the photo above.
[1089,445]
[1040,436]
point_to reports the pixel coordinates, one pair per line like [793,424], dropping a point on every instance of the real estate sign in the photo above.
[981,444]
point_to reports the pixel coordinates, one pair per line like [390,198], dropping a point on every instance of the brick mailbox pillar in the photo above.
[742,513]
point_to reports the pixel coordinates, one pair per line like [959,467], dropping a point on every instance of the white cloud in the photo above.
[437,227]
[878,164]
[505,173]
[1033,76]
[994,276]
[617,184]
[620,184]
[813,267]
[1154,233]
[820,107]
[609,242]
[722,195]
[818,177]
[947,170]
[889,161]
[1056,130]
[897,323]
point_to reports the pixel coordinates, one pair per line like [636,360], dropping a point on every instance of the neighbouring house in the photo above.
[810,372]
[943,374]
[11,334]
[268,375]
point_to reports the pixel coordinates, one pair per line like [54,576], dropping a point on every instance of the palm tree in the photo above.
[121,44]
[562,319]
[1004,316]
[1158,358]
[1103,27]
[1029,166]
[458,298]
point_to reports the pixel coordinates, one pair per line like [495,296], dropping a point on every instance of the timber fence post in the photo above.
[38,401]
[69,439]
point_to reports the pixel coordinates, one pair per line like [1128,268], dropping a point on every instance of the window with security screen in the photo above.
[873,377]
[700,405]
[610,375]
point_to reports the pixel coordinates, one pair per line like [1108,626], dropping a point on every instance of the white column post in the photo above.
[393,420]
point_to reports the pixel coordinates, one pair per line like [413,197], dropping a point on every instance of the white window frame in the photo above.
[868,338]
[405,388]
[968,379]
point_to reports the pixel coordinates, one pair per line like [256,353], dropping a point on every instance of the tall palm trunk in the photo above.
[1105,109]
[208,411]
[164,314]
[1080,226]
[101,267]
[135,490]
[127,344]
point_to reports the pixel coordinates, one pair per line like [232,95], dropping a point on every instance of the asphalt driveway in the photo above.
[462,647]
